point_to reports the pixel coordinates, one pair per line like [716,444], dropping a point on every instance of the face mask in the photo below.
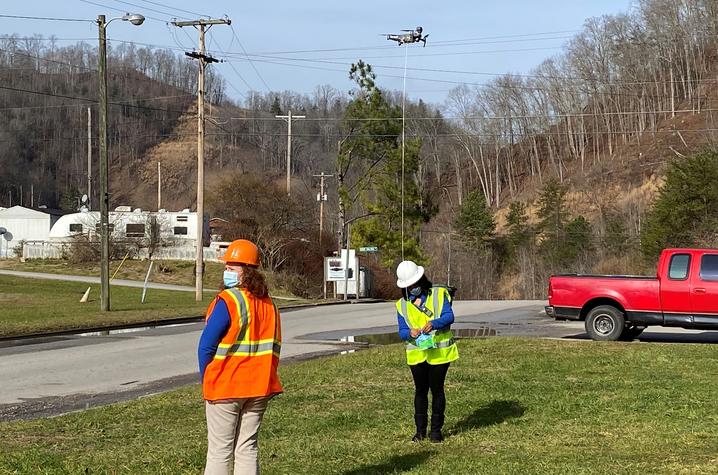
[415,292]
[231,278]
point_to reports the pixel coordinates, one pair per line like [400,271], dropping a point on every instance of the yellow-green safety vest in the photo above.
[446,350]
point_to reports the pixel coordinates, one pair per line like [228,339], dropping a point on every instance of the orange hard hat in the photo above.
[242,251]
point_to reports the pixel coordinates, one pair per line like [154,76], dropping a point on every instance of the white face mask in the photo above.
[231,278]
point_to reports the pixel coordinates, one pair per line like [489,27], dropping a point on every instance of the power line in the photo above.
[46,18]
[57,106]
[145,8]
[246,56]
[45,59]
[457,42]
[76,98]
[173,8]
[118,10]
[414,135]
[576,88]
[493,117]
[234,34]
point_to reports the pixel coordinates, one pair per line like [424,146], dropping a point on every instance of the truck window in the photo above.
[709,267]
[678,268]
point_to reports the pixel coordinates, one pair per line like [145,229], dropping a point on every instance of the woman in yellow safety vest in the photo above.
[425,316]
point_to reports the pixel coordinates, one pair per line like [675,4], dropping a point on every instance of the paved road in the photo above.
[57,374]
[67,365]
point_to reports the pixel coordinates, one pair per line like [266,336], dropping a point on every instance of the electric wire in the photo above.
[174,8]
[235,36]
[117,10]
[21,17]
[169,15]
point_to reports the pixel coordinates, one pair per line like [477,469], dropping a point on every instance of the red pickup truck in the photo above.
[684,293]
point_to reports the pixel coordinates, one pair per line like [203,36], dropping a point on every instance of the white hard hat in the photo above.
[408,273]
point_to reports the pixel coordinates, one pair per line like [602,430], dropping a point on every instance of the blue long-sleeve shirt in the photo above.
[217,326]
[444,320]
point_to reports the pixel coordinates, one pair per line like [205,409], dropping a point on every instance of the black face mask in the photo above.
[415,292]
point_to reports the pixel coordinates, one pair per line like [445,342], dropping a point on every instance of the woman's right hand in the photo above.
[415,332]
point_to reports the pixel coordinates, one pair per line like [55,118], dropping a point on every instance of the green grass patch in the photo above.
[163,272]
[514,406]
[38,305]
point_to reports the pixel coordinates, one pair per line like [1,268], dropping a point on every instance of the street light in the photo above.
[136,20]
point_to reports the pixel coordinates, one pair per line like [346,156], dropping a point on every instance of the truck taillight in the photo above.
[550,291]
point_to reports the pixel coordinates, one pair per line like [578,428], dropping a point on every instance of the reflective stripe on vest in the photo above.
[246,360]
[445,349]
[248,348]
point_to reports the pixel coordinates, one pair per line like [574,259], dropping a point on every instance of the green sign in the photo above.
[369,249]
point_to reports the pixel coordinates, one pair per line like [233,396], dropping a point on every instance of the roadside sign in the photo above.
[369,249]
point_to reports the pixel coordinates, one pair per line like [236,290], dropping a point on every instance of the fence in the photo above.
[59,250]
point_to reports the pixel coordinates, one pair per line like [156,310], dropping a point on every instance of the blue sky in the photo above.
[315,41]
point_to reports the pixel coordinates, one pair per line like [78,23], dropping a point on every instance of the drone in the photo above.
[411,36]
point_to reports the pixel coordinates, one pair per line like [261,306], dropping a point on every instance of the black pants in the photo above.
[429,377]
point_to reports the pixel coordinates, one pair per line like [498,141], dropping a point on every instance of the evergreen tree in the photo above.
[686,211]
[578,244]
[276,109]
[552,208]
[616,240]
[517,222]
[369,173]
[475,221]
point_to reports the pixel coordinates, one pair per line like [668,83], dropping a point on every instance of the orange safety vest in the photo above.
[245,364]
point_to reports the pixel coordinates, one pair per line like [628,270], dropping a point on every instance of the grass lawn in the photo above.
[514,406]
[163,272]
[38,306]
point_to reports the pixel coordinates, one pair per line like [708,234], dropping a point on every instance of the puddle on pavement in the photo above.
[393,337]
[120,331]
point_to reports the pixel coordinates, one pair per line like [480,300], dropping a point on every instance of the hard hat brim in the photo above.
[402,284]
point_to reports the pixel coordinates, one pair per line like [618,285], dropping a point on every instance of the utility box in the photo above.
[334,271]
[365,284]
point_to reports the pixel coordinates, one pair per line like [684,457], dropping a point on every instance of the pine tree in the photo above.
[686,211]
[475,222]
[369,173]
[276,108]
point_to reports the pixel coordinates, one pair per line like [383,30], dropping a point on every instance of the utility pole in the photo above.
[89,157]
[289,118]
[321,197]
[202,26]
[159,186]
[104,194]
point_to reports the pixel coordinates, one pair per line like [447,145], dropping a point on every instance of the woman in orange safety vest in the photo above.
[238,357]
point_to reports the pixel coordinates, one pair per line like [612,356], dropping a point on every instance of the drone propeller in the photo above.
[424,39]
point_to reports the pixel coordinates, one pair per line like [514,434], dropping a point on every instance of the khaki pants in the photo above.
[232,429]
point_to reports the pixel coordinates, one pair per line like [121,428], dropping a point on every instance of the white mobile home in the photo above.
[23,224]
[176,228]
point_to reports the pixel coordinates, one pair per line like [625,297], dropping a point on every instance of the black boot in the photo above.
[421,422]
[437,422]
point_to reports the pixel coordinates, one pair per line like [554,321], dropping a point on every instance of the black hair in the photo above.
[424,283]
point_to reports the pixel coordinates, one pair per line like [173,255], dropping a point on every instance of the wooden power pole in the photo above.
[289,118]
[321,197]
[202,26]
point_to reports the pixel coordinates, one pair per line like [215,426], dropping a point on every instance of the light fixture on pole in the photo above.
[136,20]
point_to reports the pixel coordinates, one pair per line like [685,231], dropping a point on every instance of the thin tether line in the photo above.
[403,120]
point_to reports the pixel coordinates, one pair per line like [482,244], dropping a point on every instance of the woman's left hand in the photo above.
[427,328]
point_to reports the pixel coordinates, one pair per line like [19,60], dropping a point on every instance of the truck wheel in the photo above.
[631,333]
[605,323]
